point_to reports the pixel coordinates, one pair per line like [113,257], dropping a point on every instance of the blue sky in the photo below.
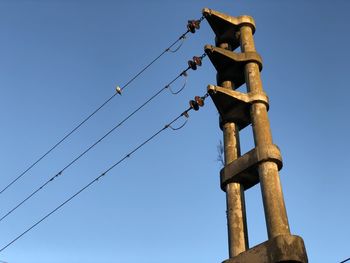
[61,59]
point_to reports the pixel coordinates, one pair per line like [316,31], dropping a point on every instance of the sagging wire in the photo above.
[192,26]
[193,106]
[197,59]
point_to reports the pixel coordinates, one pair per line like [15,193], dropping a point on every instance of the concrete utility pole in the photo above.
[260,165]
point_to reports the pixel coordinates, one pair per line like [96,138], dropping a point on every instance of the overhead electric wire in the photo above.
[56,145]
[345,260]
[184,72]
[185,114]
[168,49]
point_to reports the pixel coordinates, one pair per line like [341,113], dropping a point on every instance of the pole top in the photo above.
[225,27]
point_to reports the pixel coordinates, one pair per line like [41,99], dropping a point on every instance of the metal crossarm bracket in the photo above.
[233,106]
[230,65]
[244,170]
[225,27]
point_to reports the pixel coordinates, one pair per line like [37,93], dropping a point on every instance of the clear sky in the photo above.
[59,60]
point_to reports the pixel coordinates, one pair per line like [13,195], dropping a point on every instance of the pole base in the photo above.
[283,248]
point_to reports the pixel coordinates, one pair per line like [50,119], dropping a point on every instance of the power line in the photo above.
[191,27]
[192,64]
[345,260]
[194,104]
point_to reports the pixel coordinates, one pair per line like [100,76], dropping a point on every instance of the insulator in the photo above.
[199,101]
[194,105]
[192,25]
[197,60]
[192,64]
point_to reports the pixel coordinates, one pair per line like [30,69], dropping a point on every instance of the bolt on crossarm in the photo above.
[260,165]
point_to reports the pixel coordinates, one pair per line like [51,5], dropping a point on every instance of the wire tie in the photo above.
[127,156]
[185,113]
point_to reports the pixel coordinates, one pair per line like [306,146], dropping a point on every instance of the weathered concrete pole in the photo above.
[235,203]
[275,211]
[260,165]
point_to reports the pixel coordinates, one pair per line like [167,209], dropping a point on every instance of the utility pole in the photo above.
[260,165]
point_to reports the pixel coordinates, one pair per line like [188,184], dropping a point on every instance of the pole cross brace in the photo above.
[230,65]
[234,106]
[226,28]
[283,248]
[244,170]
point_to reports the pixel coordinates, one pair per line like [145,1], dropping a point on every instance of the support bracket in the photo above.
[225,27]
[230,65]
[244,170]
[234,106]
